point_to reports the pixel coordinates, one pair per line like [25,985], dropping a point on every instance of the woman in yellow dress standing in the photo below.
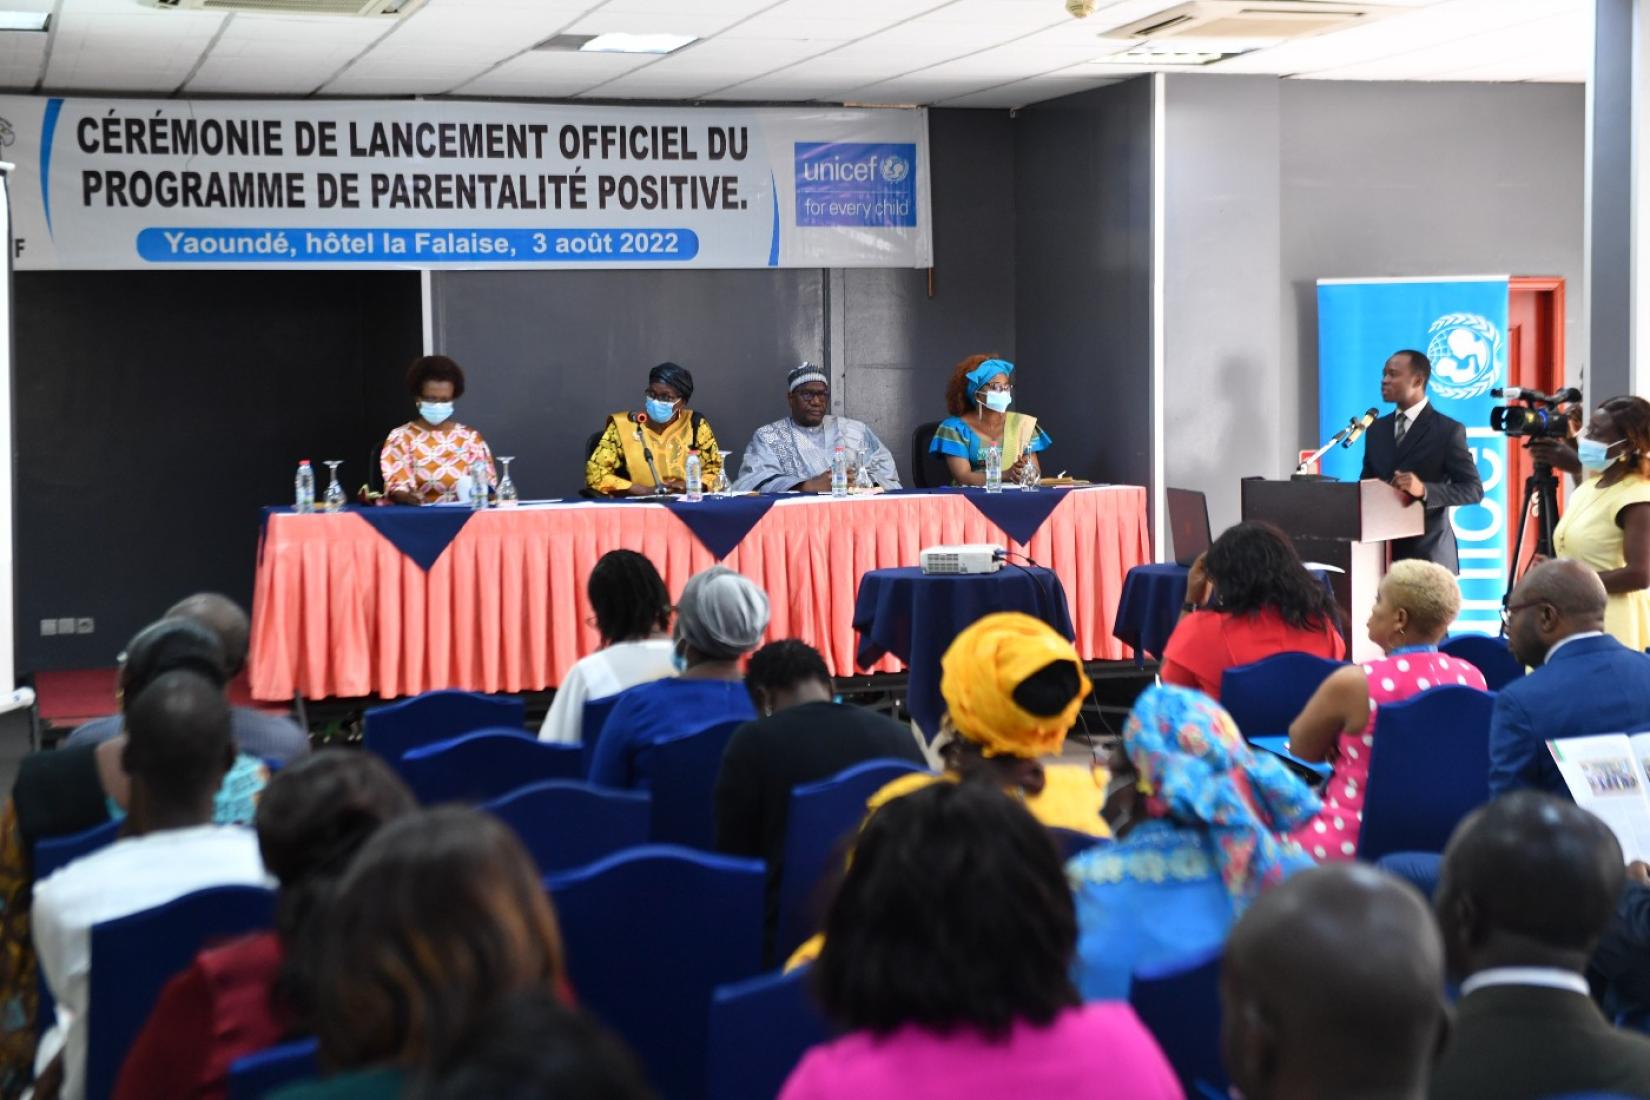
[667,428]
[1607,523]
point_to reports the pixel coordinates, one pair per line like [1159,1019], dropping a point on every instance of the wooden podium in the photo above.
[1346,524]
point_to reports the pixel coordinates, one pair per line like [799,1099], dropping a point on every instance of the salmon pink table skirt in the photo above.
[338,611]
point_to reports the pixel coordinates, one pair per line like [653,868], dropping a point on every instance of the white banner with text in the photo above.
[131,183]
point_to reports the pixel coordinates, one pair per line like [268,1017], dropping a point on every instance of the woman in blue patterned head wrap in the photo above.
[1203,823]
[665,427]
[978,397]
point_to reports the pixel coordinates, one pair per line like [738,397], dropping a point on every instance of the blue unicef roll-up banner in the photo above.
[1461,324]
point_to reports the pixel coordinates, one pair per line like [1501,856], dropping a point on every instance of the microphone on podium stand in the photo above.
[1348,435]
[1356,429]
[647,452]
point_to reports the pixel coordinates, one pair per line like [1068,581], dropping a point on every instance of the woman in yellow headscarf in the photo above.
[1012,688]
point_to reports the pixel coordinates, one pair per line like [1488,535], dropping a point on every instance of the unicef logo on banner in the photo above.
[869,185]
[1465,349]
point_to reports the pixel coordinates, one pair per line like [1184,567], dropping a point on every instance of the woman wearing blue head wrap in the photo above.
[1203,824]
[665,428]
[978,397]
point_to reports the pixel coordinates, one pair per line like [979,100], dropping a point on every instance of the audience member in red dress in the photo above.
[1246,599]
[1414,606]
[1333,988]
[256,991]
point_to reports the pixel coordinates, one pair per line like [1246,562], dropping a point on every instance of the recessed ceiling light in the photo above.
[1146,56]
[24,20]
[637,43]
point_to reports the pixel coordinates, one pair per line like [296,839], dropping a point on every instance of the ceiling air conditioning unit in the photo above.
[1274,20]
[391,9]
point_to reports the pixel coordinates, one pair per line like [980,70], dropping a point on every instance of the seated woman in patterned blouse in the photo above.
[426,459]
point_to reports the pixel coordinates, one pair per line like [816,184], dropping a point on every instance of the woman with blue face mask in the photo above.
[1606,521]
[979,397]
[427,459]
[665,428]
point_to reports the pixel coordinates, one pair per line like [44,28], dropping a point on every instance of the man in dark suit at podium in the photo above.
[1422,452]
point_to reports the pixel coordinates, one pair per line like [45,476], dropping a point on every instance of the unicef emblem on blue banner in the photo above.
[1465,350]
[895,169]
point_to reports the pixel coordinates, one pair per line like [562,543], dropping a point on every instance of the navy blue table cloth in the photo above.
[1150,607]
[422,534]
[915,617]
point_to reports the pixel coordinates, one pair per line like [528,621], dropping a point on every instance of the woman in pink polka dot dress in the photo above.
[1414,607]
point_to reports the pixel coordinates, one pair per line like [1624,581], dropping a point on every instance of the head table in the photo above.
[396,601]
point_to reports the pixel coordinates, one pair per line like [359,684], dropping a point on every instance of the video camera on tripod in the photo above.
[1541,416]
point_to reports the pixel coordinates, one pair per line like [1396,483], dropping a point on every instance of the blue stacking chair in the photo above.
[1264,697]
[759,1030]
[1180,1006]
[50,854]
[1073,843]
[820,816]
[435,716]
[651,932]
[54,852]
[483,765]
[568,824]
[1489,655]
[681,772]
[134,956]
[1429,767]
[257,1075]
[590,727]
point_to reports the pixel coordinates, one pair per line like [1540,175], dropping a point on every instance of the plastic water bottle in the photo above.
[303,489]
[839,472]
[478,486]
[693,472]
[993,469]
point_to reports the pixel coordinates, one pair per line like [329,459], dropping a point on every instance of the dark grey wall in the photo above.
[158,411]
[898,343]
[1221,284]
[1610,326]
[1082,266]
[553,352]
[1424,179]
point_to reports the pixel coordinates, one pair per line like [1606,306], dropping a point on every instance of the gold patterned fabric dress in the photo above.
[617,463]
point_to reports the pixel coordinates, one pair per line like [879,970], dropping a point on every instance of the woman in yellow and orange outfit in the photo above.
[618,466]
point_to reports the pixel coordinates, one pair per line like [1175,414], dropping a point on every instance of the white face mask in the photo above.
[435,412]
[998,400]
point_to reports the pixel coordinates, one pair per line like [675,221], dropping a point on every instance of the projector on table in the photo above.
[970,558]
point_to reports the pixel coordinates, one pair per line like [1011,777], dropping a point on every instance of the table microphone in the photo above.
[647,452]
[1361,425]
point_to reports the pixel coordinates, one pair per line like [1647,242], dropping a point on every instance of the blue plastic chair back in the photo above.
[257,1075]
[435,716]
[1264,697]
[681,772]
[1489,655]
[567,824]
[1073,843]
[134,956]
[650,933]
[590,727]
[484,765]
[820,816]
[1429,767]
[1181,1008]
[759,1030]
[52,853]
